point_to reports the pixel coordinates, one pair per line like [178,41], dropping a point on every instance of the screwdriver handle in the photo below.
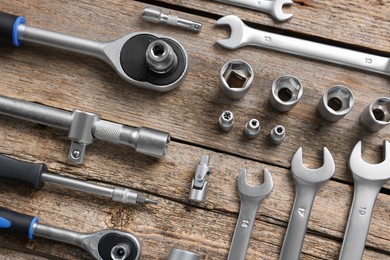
[9,28]
[15,223]
[27,172]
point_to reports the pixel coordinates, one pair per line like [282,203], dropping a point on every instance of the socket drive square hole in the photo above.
[237,74]
[335,103]
[381,111]
[285,94]
[235,80]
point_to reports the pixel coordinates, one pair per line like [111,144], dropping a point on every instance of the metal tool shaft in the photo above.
[58,234]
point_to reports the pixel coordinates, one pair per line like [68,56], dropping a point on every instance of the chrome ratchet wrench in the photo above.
[144,60]
[106,244]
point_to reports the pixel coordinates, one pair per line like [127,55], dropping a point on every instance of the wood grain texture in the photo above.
[60,79]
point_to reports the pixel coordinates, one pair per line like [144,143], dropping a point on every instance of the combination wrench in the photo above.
[250,199]
[307,182]
[368,179]
[272,7]
[109,244]
[243,35]
[144,60]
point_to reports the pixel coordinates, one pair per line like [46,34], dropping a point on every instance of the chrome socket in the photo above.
[278,133]
[179,254]
[160,57]
[236,78]
[285,93]
[335,103]
[252,128]
[226,121]
[376,115]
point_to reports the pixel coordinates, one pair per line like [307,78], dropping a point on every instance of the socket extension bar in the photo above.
[84,127]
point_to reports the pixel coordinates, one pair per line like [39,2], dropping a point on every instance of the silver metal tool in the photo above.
[226,121]
[278,133]
[286,91]
[243,35]
[179,254]
[236,78]
[157,16]
[376,115]
[272,7]
[252,129]
[368,180]
[106,244]
[307,182]
[336,103]
[84,127]
[250,198]
[200,183]
[128,55]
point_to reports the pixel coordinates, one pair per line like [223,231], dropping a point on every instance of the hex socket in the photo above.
[236,78]
[335,103]
[285,93]
[376,115]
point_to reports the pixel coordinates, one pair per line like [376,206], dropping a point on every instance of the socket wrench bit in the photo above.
[335,103]
[252,128]
[286,91]
[376,115]
[226,121]
[156,16]
[278,133]
[179,254]
[236,78]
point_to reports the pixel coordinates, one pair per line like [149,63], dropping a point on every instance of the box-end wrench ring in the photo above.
[250,199]
[368,180]
[307,182]
[243,35]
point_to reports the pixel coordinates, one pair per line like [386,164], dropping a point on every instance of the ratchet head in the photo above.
[367,171]
[255,191]
[112,244]
[237,35]
[277,10]
[311,176]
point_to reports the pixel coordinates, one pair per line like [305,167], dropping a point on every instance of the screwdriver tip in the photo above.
[150,201]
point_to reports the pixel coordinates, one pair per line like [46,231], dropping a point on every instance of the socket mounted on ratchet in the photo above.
[144,60]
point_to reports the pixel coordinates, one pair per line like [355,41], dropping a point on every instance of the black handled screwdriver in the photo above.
[36,174]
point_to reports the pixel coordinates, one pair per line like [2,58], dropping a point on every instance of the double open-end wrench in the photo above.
[368,179]
[243,35]
[272,7]
[144,60]
[250,198]
[307,182]
[106,244]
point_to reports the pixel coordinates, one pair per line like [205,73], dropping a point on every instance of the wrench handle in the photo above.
[263,5]
[299,219]
[359,219]
[318,51]
[9,24]
[15,223]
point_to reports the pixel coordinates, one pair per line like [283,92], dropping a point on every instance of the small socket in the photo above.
[236,78]
[226,121]
[335,103]
[376,115]
[160,57]
[252,128]
[285,93]
[278,133]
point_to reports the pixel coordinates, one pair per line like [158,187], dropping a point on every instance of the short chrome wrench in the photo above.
[251,198]
[272,7]
[368,179]
[307,182]
[243,35]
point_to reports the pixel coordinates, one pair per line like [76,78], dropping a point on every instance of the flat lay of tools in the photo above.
[189,130]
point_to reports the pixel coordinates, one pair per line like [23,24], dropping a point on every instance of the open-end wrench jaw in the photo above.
[368,171]
[251,191]
[237,28]
[306,175]
[277,10]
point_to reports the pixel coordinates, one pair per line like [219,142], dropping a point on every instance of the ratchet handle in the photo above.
[27,172]
[9,28]
[15,223]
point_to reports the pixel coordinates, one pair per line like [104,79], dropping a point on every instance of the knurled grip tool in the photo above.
[144,60]
[106,244]
[36,174]
[84,127]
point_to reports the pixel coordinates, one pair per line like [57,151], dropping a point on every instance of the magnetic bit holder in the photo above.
[134,56]
[85,127]
[200,182]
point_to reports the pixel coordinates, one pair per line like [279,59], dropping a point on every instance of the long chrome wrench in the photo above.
[243,35]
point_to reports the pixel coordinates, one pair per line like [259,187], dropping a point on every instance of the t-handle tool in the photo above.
[368,179]
[144,60]
[36,174]
[307,182]
[243,35]
[106,244]
[271,7]
[250,198]
[85,127]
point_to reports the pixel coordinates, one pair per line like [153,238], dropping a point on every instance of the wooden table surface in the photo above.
[65,80]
